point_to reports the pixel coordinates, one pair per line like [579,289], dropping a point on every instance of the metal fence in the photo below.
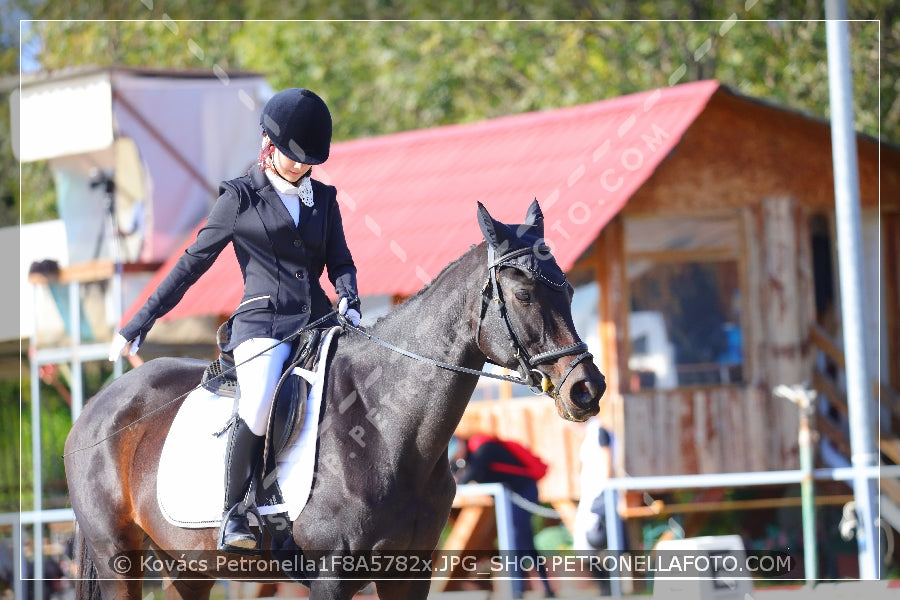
[749,479]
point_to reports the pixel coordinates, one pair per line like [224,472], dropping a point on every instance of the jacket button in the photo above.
[298,243]
[300,274]
[304,308]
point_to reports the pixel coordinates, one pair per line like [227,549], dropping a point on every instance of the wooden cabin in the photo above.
[698,228]
[716,281]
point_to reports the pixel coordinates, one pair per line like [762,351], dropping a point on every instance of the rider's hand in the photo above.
[351,314]
[119,344]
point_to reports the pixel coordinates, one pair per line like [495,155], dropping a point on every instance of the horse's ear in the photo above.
[487,224]
[535,218]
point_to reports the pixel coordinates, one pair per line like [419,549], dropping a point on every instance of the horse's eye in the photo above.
[523,296]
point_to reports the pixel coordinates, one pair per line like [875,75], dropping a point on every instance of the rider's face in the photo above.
[287,167]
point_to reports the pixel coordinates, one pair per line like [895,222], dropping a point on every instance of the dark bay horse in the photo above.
[383,483]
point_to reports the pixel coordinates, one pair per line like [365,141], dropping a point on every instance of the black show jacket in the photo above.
[281,264]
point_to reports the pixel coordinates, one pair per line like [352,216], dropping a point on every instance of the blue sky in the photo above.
[28,50]
[12,30]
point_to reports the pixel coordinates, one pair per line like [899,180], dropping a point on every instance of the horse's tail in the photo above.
[87,586]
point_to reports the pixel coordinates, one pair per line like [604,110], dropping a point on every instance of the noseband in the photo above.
[492,295]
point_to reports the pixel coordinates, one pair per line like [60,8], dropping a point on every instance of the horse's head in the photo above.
[525,321]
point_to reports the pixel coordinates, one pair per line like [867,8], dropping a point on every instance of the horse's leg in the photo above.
[112,557]
[334,589]
[121,588]
[187,589]
[101,500]
[178,581]
[114,582]
[96,581]
[406,589]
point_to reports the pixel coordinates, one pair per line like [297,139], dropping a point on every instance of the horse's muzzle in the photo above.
[579,397]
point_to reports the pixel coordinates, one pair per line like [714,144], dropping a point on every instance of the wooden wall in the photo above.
[739,151]
[715,429]
[890,235]
[779,289]
[710,429]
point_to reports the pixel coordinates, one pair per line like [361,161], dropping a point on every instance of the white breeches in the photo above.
[257,377]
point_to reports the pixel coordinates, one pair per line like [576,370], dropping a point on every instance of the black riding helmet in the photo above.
[298,122]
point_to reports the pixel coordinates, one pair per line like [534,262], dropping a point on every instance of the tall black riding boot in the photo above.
[242,452]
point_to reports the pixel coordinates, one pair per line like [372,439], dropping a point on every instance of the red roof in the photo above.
[408,199]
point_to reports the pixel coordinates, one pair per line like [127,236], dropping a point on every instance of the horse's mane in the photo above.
[398,311]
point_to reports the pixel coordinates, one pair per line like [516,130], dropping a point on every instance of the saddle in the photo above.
[190,476]
[287,414]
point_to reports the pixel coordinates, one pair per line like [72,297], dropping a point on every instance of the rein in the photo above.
[289,338]
[431,361]
[529,375]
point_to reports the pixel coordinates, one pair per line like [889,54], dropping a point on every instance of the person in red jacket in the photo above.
[485,459]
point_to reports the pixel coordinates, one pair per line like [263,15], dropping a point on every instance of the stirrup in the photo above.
[223,547]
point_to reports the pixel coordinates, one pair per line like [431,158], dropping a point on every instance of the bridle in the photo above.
[491,295]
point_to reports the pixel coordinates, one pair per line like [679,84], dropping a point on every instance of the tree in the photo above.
[384,77]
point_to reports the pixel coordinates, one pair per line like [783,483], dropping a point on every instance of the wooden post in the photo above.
[786,291]
[613,306]
[891,240]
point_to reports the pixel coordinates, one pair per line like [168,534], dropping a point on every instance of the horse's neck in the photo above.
[438,323]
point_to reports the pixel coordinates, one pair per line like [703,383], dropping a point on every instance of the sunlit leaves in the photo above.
[395,75]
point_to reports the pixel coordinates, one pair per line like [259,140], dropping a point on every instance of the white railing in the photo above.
[747,479]
[37,519]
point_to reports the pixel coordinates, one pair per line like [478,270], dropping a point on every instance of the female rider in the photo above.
[286,229]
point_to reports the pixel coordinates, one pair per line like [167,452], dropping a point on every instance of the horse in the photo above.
[504,300]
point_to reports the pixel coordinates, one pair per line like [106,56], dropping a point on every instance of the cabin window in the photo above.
[685,302]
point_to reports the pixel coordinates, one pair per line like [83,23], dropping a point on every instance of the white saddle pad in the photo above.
[190,485]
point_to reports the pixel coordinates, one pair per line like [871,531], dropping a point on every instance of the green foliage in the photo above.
[9,446]
[56,421]
[37,181]
[388,76]
[55,424]
[9,175]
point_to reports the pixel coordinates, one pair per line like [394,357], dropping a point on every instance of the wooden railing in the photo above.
[824,342]
[888,441]
[891,398]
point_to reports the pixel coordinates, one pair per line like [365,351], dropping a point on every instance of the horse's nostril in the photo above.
[583,392]
[580,389]
[586,391]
